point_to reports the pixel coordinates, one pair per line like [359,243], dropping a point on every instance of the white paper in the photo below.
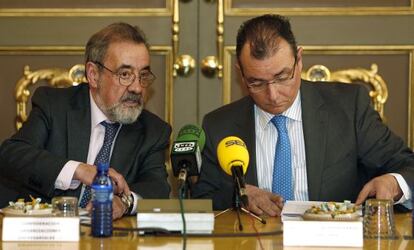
[40,229]
[196,223]
[323,233]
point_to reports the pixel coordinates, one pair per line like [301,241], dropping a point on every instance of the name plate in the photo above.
[323,233]
[40,229]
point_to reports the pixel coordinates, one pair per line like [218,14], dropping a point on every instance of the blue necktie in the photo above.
[282,168]
[102,157]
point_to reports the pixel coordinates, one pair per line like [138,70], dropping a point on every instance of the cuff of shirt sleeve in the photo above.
[136,198]
[404,187]
[64,180]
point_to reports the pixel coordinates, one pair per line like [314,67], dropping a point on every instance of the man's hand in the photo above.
[85,174]
[119,182]
[118,208]
[261,201]
[382,187]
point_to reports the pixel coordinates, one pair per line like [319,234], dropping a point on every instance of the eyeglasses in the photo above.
[127,76]
[257,85]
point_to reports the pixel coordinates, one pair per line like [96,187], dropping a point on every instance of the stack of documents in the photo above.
[299,232]
[165,214]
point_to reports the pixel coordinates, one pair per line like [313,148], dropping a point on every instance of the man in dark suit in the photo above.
[338,148]
[54,153]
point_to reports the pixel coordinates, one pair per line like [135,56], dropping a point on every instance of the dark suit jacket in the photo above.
[346,144]
[58,130]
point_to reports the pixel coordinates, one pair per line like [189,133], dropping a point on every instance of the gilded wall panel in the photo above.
[317,3]
[11,70]
[318,7]
[52,4]
[85,8]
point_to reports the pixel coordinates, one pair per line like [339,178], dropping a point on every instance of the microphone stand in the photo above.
[182,194]
[183,183]
[237,206]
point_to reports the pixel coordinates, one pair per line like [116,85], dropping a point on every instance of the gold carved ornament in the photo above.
[55,77]
[378,88]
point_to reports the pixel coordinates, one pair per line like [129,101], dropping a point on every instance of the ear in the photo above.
[92,74]
[299,59]
[239,68]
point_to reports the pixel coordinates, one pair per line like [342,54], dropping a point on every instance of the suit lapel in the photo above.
[79,126]
[246,128]
[124,152]
[315,122]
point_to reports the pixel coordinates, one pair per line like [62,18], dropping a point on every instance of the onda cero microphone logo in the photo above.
[184,146]
[235,142]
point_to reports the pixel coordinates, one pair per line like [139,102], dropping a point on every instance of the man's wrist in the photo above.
[128,201]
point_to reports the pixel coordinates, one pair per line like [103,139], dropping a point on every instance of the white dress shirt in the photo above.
[266,138]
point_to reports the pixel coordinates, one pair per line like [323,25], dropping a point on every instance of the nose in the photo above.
[272,92]
[135,86]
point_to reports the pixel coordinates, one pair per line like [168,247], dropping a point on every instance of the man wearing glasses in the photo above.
[70,130]
[307,141]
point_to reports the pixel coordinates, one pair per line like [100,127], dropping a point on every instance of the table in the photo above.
[224,224]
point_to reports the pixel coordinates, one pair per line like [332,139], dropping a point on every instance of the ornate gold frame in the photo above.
[56,77]
[230,51]
[319,11]
[89,11]
[378,88]
[61,77]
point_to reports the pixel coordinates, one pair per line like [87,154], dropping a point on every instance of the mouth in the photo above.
[132,100]
[131,103]
[276,105]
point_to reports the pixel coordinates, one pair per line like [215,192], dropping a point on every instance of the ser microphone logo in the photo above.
[180,147]
[235,142]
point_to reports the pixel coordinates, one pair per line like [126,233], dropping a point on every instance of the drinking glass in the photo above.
[65,206]
[379,219]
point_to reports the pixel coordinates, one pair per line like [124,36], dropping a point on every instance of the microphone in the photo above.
[234,160]
[186,152]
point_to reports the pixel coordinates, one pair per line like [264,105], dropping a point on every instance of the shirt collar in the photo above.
[294,112]
[97,116]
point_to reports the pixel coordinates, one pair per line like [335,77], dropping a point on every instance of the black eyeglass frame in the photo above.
[261,85]
[144,82]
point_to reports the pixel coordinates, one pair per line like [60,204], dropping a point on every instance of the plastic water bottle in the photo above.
[102,194]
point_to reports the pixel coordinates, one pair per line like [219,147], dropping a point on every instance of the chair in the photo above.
[56,77]
[377,86]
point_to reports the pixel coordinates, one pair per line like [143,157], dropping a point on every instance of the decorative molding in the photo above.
[169,90]
[378,87]
[42,50]
[97,12]
[319,11]
[56,77]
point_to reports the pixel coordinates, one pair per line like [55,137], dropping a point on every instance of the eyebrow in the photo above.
[146,68]
[285,70]
[126,66]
